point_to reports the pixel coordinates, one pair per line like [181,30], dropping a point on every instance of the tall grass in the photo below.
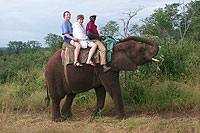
[169,95]
[25,93]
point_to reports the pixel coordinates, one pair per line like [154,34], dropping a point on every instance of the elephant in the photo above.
[127,55]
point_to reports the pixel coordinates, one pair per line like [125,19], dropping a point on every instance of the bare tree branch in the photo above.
[187,23]
[126,23]
[130,14]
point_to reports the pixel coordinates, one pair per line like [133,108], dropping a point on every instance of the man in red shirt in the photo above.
[92,33]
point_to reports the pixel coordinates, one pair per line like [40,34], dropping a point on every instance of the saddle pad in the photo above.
[67,54]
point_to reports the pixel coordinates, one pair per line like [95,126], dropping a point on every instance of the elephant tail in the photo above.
[47,99]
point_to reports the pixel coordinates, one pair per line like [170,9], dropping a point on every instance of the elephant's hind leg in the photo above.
[66,108]
[56,111]
[100,94]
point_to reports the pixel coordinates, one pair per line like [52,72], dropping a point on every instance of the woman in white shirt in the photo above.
[80,33]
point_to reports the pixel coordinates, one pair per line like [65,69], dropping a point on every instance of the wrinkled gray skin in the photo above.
[127,55]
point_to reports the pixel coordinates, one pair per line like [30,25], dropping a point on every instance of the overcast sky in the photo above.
[23,20]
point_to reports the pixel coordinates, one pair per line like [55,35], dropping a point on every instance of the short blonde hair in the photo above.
[80,16]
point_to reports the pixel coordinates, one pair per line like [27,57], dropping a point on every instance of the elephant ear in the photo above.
[121,61]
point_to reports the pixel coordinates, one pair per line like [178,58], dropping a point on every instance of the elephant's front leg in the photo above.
[110,81]
[100,94]
[117,98]
[66,108]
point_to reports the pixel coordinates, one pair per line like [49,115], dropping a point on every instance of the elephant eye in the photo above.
[141,50]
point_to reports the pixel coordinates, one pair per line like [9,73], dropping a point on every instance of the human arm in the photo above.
[67,31]
[71,37]
[93,36]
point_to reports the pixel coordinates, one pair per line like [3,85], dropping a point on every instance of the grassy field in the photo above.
[169,107]
[27,113]
[82,121]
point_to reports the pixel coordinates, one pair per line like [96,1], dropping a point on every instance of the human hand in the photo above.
[103,37]
[75,39]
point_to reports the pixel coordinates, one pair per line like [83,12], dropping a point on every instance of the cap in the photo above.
[92,15]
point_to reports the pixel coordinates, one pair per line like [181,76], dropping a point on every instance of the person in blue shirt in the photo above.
[68,37]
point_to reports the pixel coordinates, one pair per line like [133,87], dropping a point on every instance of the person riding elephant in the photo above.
[80,33]
[68,37]
[92,33]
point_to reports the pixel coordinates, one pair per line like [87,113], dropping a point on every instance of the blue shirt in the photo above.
[66,28]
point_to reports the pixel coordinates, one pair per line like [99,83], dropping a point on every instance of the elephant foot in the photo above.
[67,114]
[121,116]
[94,112]
[59,119]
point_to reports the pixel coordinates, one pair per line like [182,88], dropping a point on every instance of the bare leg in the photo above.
[91,52]
[76,51]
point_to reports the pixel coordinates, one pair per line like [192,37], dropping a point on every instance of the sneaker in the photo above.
[105,68]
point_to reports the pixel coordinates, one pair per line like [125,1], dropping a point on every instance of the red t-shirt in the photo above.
[92,27]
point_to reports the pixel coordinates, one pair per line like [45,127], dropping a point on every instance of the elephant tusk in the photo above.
[156,60]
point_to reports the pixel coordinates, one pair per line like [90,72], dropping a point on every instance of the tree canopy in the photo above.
[53,41]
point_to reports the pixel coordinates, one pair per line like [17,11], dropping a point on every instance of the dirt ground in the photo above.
[83,122]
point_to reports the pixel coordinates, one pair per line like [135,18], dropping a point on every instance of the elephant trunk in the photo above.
[153,50]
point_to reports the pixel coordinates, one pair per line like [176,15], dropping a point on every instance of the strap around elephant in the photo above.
[109,43]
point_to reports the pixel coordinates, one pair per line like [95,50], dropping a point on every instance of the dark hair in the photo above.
[65,12]
[80,16]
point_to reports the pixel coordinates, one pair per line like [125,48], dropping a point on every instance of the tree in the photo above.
[163,22]
[193,11]
[135,29]
[16,46]
[184,22]
[127,31]
[1,52]
[110,29]
[53,41]
[33,45]
[173,22]
[19,47]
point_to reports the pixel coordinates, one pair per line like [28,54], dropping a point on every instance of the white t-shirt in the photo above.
[80,33]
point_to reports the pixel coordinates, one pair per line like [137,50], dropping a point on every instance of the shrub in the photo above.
[134,92]
[168,95]
[85,99]
[22,91]
[7,75]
